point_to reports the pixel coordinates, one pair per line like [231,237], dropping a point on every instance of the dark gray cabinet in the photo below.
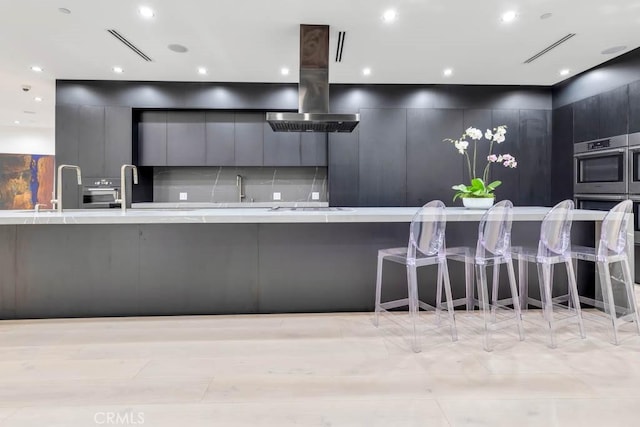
[249,134]
[186,142]
[313,149]
[383,157]
[433,166]
[118,139]
[152,138]
[562,154]
[534,158]
[67,128]
[614,111]
[220,136]
[91,140]
[280,148]
[586,119]
[480,119]
[634,108]
[513,144]
[343,154]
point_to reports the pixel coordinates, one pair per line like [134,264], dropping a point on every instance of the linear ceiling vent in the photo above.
[340,48]
[549,48]
[130,45]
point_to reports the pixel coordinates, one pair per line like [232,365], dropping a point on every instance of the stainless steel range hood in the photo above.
[313,90]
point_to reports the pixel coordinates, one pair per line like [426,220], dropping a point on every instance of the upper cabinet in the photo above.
[634,107]
[586,119]
[186,140]
[220,135]
[223,138]
[152,138]
[614,112]
[249,137]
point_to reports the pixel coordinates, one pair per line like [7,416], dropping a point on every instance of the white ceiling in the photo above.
[251,40]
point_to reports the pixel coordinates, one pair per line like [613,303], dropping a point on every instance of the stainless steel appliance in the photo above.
[101,193]
[634,163]
[600,167]
[598,202]
[313,88]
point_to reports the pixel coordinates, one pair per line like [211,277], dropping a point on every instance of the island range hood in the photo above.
[313,90]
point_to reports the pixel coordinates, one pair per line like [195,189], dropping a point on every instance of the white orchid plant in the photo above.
[479,187]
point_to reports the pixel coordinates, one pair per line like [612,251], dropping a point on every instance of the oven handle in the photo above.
[599,197]
[599,153]
[634,148]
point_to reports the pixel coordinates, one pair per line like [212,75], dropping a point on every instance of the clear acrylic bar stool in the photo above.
[554,247]
[611,250]
[493,249]
[426,247]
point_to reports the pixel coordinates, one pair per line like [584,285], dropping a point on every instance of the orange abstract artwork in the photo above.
[25,180]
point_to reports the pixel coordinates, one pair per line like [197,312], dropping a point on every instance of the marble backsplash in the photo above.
[218,184]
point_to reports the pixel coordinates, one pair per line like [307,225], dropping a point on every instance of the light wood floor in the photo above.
[308,370]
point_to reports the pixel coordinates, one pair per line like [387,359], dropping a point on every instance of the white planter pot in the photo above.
[477,202]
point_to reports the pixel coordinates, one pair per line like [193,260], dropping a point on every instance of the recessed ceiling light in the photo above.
[146,12]
[565,72]
[366,71]
[37,99]
[118,70]
[447,72]
[614,49]
[546,15]
[36,68]
[509,16]
[64,10]
[178,48]
[284,71]
[389,16]
[16,122]
[202,70]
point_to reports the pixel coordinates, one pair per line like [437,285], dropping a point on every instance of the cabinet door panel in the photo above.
[383,157]
[249,139]
[614,110]
[186,145]
[313,149]
[562,154]
[433,166]
[634,108]
[281,148]
[586,119]
[91,140]
[152,138]
[118,138]
[534,158]
[343,168]
[220,139]
[510,188]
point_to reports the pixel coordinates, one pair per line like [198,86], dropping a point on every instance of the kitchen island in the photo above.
[209,261]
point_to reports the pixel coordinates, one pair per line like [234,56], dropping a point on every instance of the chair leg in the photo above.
[523,282]
[439,294]
[515,298]
[494,291]
[447,290]
[468,281]
[607,296]
[544,276]
[574,300]
[412,280]
[629,284]
[483,296]
[376,318]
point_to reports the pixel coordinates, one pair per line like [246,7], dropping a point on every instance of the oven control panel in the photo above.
[599,145]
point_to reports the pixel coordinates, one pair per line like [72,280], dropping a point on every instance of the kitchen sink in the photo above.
[317,209]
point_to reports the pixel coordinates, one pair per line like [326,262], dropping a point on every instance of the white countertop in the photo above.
[261,215]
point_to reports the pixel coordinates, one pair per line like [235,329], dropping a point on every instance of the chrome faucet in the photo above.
[123,185]
[239,185]
[57,202]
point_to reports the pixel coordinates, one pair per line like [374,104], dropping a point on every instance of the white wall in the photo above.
[27,140]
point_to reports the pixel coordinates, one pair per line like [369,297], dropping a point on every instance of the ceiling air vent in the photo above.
[130,45]
[340,48]
[549,48]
